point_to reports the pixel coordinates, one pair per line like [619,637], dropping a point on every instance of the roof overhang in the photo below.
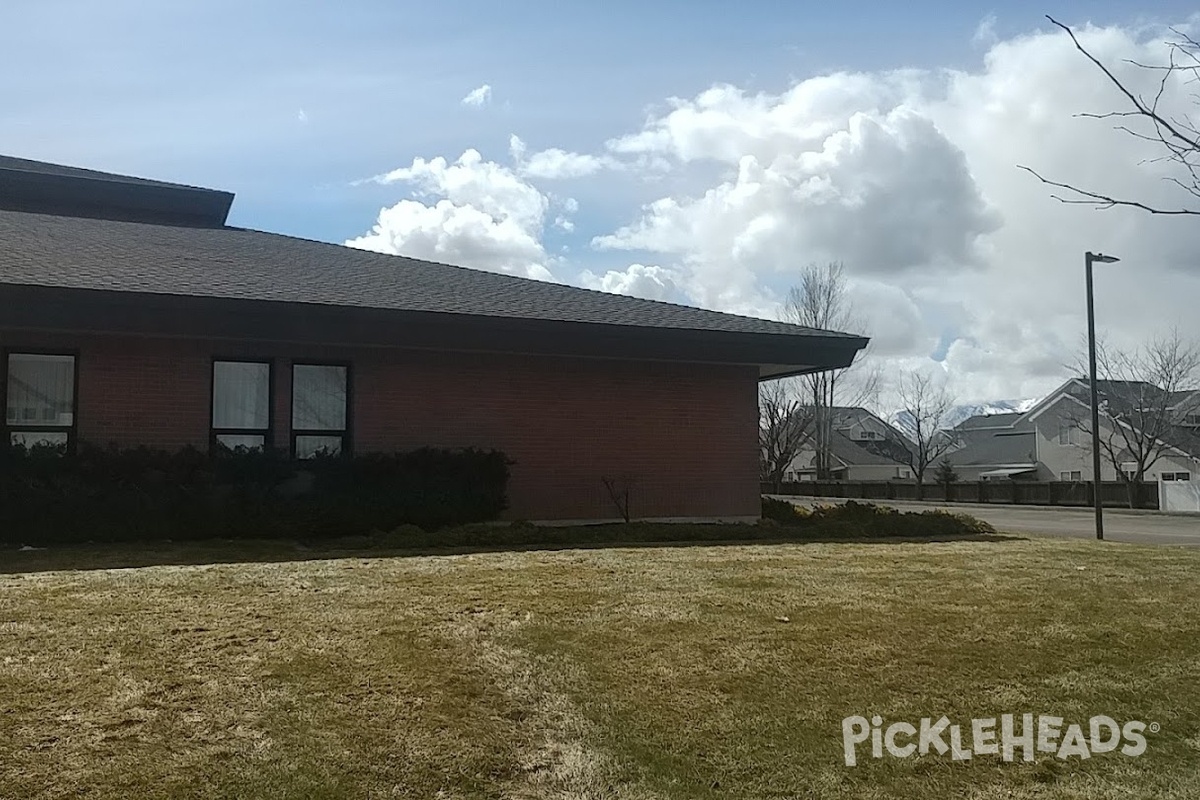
[41,308]
[770,372]
[65,191]
[1008,472]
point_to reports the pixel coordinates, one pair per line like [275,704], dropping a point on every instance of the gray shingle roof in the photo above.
[847,416]
[1186,398]
[232,263]
[1120,397]
[1183,438]
[851,415]
[851,452]
[988,421]
[1001,448]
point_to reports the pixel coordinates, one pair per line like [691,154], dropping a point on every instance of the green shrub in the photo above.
[141,494]
[780,511]
[855,519]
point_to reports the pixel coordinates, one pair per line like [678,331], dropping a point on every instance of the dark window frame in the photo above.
[346,435]
[71,430]
[214,444]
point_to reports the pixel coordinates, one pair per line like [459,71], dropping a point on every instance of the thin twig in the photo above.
[1104,201]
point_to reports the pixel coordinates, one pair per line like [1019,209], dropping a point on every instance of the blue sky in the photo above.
[211,92]
[292,105]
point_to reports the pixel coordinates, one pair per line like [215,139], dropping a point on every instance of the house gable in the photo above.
[1064,444]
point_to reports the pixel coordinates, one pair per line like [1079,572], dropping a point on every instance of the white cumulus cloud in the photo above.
[479,96]
[471,212]
[893,174]
[637,280]
[958,260]
[911,179]
[554,164]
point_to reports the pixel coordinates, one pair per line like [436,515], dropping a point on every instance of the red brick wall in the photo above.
[682,437]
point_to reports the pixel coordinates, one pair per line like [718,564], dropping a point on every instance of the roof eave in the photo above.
[101,197]
[145,313]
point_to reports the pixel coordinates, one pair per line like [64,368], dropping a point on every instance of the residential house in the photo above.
[863,447]
[1051,442]
[132,313]
[1062,421]
[992,447]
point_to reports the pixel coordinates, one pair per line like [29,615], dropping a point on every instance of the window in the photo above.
[241,405]
[870,435]
[40,399]
[1176,476]
[1192,419]
[1073,476]
[1067,433]
[320,410]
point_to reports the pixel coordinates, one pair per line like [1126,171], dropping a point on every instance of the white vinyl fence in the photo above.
[1179,495]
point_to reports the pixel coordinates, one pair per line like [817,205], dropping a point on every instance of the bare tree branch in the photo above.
[1101,200]
[1138,104]
[1177,136]
[821,301]
[783,427]
[928,404]
[1145,394]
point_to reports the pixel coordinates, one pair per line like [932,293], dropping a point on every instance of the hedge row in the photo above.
[124,495]
[852,519]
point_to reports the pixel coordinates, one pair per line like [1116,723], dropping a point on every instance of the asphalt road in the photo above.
[1119,525]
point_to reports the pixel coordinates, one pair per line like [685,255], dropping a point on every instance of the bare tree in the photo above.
[928,403]
[1144,394]
[618,493]
[821,301]
[1149,119]
[783,427]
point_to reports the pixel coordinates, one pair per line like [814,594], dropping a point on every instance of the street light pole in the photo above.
[1088,259]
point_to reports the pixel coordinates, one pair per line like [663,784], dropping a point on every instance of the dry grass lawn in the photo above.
[624,673]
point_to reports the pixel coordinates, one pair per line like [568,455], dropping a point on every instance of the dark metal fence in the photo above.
[1112,494]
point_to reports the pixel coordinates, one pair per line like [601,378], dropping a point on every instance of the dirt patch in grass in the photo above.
[671,672]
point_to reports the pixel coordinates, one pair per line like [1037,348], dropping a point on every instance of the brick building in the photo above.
[131,313]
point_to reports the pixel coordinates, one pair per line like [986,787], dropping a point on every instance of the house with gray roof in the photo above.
[132,313]
[1164,425]
[994,447]
[863,447]
[1052,441]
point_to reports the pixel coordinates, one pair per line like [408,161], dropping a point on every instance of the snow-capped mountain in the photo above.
[904,422]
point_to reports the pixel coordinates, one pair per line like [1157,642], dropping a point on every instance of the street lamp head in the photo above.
[1102,259]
